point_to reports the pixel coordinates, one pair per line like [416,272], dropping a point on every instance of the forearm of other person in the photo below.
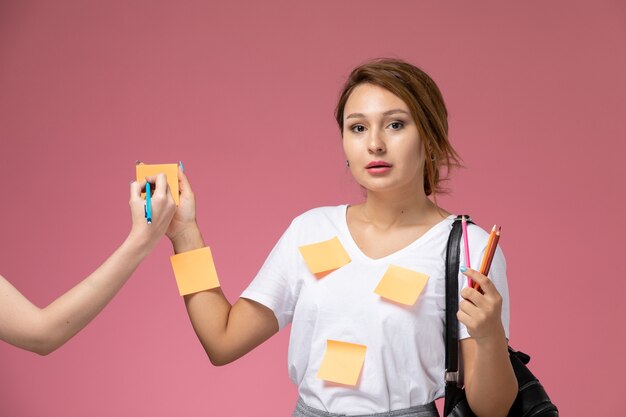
[44,330]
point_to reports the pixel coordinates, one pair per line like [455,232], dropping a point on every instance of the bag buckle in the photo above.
[452,376]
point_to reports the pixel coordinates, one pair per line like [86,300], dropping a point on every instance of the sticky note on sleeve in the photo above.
[170,171]
[194,271]
[324,257]
[401,285]
[342,362]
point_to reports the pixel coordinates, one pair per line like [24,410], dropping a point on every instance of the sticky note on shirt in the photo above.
[194,271]
[342,362]
[324,257]
[401,285]
[170,171]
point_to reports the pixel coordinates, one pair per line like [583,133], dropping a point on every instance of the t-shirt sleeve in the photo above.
[497,274]
[276,284]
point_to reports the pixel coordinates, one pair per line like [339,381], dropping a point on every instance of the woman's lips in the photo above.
[378,167]
[378,170]
[376,164]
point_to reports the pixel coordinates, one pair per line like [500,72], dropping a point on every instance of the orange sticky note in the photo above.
[324,257]
[342,362]
[194,271]
[401,285]
[170,171]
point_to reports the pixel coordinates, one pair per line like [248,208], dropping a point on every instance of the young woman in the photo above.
[393,123]
[44,330]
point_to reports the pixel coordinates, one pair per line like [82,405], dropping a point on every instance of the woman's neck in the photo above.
[386,210]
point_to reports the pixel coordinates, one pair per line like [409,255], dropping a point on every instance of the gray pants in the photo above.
[427,410]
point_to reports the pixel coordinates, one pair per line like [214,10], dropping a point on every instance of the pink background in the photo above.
[243,94]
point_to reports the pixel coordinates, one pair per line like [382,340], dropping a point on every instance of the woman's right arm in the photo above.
[226,332]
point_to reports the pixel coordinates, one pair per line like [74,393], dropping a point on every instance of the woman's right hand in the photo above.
[183,230]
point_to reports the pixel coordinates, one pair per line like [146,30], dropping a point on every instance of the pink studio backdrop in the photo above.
[243,94]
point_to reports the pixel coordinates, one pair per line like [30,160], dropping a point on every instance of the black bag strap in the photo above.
[453,255]
[532,399]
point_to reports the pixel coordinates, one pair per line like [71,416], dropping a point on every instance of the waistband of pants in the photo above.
[426,410]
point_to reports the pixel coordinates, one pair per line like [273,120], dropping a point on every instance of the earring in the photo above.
[347,164]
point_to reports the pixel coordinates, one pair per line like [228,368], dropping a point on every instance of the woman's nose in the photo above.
[376,143]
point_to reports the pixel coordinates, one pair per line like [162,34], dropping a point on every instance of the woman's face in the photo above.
[381,141]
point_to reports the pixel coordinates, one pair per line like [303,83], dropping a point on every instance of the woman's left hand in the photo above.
[480,311]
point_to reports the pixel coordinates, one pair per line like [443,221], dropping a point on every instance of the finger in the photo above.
[149,179]
[161,186]
[477,277]
[181,174]
[135,190]
[468,308]
[169,196]
[136,203]
[472,295]
[485,283]
[153,180]
[183,182]
[466,319]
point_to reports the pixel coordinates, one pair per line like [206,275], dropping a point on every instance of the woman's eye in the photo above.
[396,125]
[358,128]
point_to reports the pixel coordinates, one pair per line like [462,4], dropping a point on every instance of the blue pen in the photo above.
[148,204]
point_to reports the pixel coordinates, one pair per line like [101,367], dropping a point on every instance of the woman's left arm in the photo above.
[490,383]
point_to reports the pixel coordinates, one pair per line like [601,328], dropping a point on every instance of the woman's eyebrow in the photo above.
[355,116]
[387,113]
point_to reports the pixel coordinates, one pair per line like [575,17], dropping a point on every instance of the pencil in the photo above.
[492,236]
[466,249]
[492,251]
[492,245]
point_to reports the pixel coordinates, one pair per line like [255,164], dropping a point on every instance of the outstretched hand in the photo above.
[163,208]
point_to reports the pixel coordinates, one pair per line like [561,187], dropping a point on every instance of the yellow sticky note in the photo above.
[401,285]
[194,271]
[170,171]
[324,257]
[342,362]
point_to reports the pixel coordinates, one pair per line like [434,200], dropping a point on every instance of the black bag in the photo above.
[531,400]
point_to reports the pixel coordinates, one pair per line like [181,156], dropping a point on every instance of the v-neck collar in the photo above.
[354,248]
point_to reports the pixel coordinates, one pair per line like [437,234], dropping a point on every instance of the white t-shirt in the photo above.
[404,361]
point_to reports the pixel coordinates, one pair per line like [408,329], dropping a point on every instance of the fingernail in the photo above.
[463,269]
[181,166]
